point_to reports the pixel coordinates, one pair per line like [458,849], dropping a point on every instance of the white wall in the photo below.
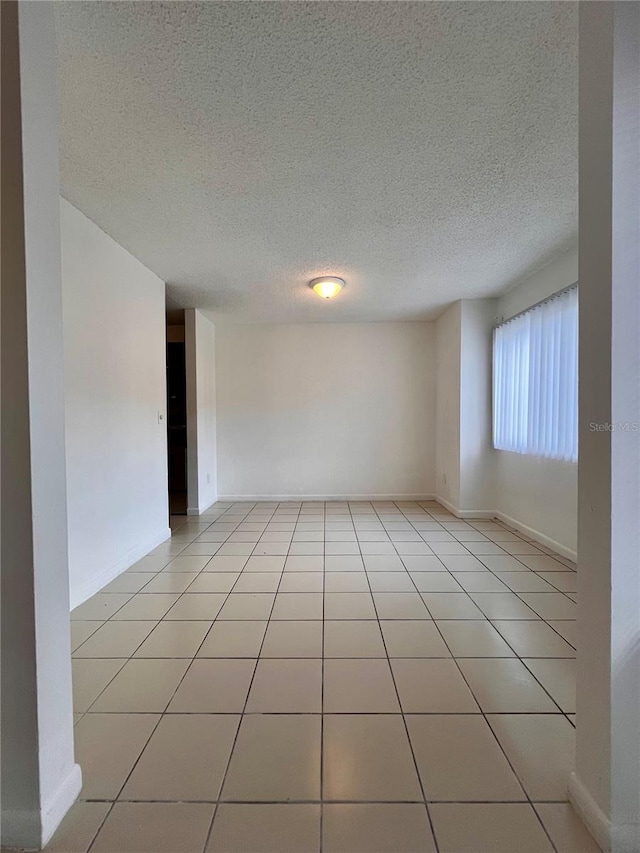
[201,412]
[115,386]
[539,494]
[448,376]
[40,780]
[326,410]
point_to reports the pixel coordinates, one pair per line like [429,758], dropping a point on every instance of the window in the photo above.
[535,380]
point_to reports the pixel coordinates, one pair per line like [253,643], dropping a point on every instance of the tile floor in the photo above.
[340,677]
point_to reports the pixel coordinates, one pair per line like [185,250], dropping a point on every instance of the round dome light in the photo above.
[327,286]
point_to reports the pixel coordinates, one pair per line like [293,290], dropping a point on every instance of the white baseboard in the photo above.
[307,497]
[531,532]
[95,584]
[596,821]
[30,830]
[465,513]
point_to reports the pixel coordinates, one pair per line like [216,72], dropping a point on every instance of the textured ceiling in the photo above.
[425,152]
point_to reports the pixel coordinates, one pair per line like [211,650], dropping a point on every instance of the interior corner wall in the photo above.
[115,388]
[202,474]
[326,410]
[477,456]
[447,432]
[538,495]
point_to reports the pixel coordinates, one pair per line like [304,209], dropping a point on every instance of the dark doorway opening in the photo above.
[177,425]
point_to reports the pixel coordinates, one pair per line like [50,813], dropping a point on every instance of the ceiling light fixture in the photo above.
[327,286]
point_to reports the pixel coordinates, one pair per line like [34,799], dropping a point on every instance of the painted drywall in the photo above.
[539,495]
[328,410]
[201,412]
[40,780]
[605,787]
[477,456]
[115,389]
[448,377]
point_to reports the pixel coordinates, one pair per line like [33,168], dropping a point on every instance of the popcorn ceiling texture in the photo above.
[426,152]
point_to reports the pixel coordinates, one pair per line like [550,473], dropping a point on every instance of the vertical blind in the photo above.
[535,380]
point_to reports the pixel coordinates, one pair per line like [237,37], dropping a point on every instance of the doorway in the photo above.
[177,417]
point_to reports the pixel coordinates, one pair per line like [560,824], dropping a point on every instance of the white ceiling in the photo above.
[424,151]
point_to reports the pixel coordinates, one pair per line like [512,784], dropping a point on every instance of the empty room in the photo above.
[321,422]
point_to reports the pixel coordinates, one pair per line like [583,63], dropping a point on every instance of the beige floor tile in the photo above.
[236,549]
[462,563]
[201,606]
[289,639]
[534,639]
[185,759]
[276,758]
[435,582]
[400,605]
[298,605]
[115,640]
[451,605]
[142,686]
[288,686]
[348,605]
[488,828]
[145,606]
[302,582]
[473,638]
[524,582]
[541,749]
[187,564]
[502,605]
[265,828]
[129,582]
[304,549]
[213,686]
[479,582]
[107,746]
[179,639]
[343,563]
[81,631]
[548,605]
[367,757]
[251,606]
[391,582]
[150,564]
[566,829]
[226,564]
[214,582]
[558,677]
[90,677]
[459,759]
[376,828]
[100,606]
[432,686]
[422,563]
[543,564]
[360,686]
[257,582]
[233,640]
[382,562]
[78,829]
[201,549]
[302,563]
[565,581]
[170,582]
[502,563]
[505,686]
[346,582]
[265,564]
[353,639]
[567,630]
[418,638]
[155,828]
